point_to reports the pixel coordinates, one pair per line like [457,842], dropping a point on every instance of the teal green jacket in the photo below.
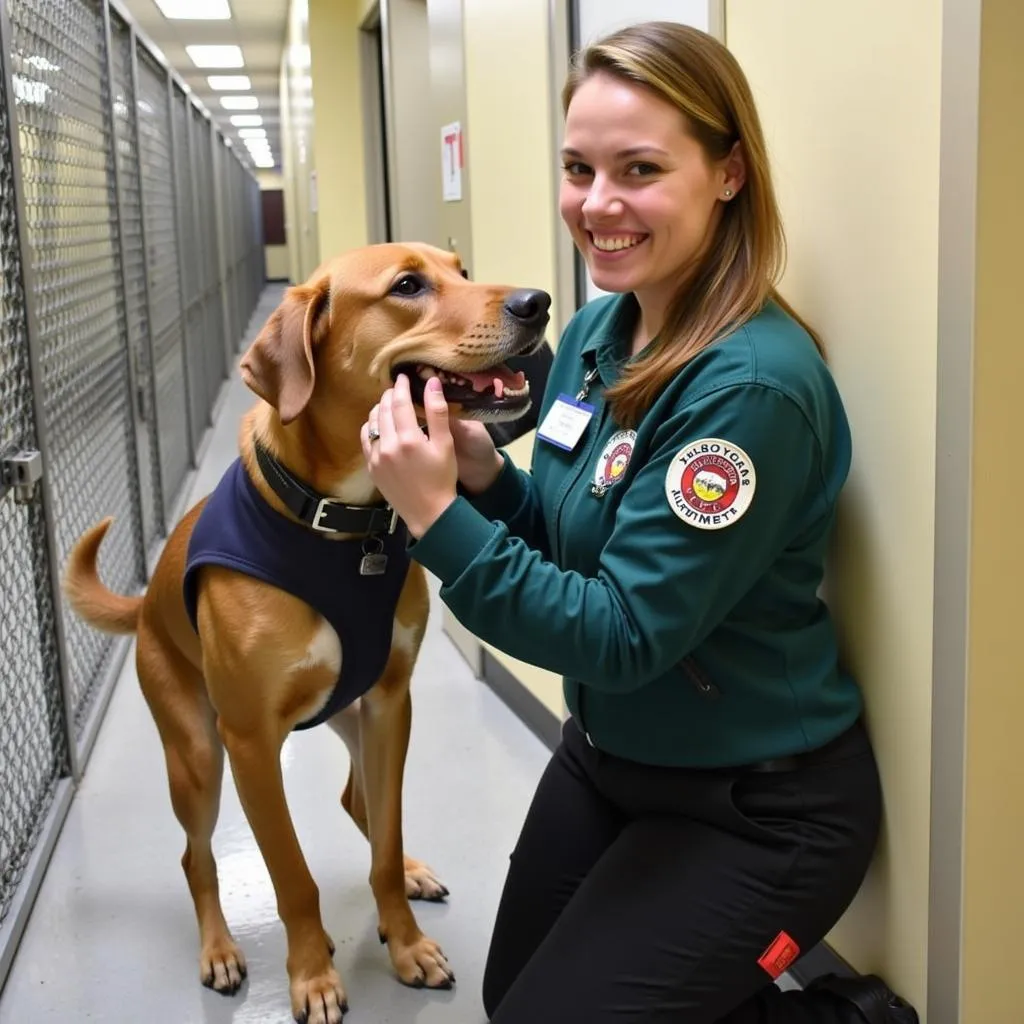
[670,574]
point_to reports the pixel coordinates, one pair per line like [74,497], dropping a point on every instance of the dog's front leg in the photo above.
[385,721]
[316,991]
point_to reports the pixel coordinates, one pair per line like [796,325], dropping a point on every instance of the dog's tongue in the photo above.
[498,378]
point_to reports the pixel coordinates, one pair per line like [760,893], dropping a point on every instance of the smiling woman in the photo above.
[714,802]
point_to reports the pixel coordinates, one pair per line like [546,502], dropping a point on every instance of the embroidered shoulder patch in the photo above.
[710,483]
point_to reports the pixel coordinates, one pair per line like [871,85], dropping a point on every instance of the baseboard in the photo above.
[534,713]
[538,718]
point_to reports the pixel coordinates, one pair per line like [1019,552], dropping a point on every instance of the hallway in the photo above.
[112,937]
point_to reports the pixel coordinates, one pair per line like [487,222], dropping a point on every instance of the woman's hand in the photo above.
[415,471]
[478,460]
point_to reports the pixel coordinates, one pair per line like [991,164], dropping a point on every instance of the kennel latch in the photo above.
[20,470]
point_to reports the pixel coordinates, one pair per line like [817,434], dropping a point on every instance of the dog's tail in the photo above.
[91,600]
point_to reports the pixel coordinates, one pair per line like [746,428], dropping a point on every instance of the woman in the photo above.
[714,803]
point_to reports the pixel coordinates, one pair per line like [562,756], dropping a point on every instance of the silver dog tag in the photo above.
[373,564]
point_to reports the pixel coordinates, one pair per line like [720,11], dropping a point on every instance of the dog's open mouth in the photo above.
[495,393]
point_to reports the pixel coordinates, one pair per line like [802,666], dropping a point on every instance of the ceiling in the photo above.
[259,27]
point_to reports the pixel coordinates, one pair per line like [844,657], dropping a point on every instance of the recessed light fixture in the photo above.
[239,102]
[221,83]
[252,133]
[246,120]
[194,10]
[263,161]
[216,56]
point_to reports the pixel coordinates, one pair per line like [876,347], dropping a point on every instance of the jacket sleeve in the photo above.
[663,583]
[513,500]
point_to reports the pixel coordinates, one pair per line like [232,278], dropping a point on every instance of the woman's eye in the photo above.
[643,170]
[576,168]
[408,285]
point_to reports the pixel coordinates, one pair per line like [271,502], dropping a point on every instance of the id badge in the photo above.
[565,422]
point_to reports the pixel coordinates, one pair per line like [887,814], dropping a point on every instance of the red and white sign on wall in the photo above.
[452,161]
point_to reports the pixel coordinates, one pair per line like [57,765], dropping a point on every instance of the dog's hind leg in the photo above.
[420,880]
[194,754]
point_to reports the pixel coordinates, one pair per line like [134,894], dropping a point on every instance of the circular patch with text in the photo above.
[614,458]
[710,483]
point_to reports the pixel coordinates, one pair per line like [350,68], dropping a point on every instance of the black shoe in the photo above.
[867,999]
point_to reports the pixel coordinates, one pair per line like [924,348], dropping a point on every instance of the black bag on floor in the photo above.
[536,366]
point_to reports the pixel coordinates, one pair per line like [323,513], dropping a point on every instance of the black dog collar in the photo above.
[321,513]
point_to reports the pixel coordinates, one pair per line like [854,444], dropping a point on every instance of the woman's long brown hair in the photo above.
[738,272]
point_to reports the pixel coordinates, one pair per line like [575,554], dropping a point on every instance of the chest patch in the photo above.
[710,483]
[614,458]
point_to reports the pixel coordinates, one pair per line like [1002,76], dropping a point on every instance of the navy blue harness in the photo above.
[239,530]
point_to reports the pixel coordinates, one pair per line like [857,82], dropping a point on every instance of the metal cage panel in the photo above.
[34,752]
[72,228]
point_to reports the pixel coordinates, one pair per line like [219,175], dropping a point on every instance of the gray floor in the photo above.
[112,938]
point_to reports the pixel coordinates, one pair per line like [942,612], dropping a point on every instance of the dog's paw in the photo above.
[421,883]
[319,999]
[222,966]
[421,964]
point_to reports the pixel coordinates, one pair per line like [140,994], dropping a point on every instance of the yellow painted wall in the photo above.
[850,98]
[508,85]
[993,895]
[322,135]
[338,130]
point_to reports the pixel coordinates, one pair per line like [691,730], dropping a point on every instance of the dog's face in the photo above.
[373,313]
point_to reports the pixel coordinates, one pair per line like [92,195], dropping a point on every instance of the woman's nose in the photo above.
[600,198]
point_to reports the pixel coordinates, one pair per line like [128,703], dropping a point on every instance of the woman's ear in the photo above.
[278,365]
[735,169]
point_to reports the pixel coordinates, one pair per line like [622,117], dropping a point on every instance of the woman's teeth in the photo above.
[612,243]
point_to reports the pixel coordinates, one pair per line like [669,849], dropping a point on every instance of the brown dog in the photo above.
[228,659]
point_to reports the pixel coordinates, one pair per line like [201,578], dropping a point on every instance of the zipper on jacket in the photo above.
[699,678]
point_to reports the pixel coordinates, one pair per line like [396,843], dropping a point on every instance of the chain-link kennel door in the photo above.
[34,753]
[70,220]
[156,156]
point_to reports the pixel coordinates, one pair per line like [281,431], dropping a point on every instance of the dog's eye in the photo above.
[408,285]
[465,273]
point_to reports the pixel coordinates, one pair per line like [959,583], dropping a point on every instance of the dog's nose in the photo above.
[528,305]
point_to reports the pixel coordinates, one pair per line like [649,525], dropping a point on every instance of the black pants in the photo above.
[644,895]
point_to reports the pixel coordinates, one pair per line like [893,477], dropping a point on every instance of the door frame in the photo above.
[374,62]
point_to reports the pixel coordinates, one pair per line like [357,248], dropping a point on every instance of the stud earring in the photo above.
[728,193]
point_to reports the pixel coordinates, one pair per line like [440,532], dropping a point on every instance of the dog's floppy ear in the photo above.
[279,364]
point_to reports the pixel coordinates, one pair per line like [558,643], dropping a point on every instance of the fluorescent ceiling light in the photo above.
[252,133]
[195,10]
[263,161]
[246,120]
[225,82]
[254,148]
[239,102]
[216,56]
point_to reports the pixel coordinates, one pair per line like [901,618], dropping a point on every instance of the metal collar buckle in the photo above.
[326,503]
